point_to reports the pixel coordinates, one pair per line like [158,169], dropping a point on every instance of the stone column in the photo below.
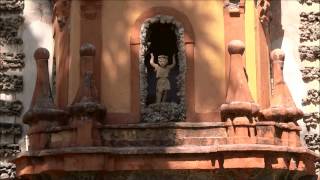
[283,109]
[42,113]
[87,112]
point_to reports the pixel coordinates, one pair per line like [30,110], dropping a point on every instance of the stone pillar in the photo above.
[282,109]
[42,113]
[239,109]
[87,112]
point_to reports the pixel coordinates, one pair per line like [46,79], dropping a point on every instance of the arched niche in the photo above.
[186,57]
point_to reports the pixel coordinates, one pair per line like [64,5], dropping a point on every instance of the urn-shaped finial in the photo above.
[42,106]
[86,101]
[239,100]
[282,106]
[236,47]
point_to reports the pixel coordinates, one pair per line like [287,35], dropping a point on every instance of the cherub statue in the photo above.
[162,72]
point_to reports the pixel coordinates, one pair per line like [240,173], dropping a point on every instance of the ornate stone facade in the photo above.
[309,53]
[11,83]
[312,120]
[9,27]
[313,97]
[309,2]
[7,170]
[310,74]
[310,26]
[245,141]
[11,61]
[11,5]
[10,108]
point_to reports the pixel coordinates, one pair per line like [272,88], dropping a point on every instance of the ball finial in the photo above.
[87,49]
[277,55]
[41,54]
[236,47]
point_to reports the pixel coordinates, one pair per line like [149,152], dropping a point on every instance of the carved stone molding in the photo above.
[309,53]
[11,5]
[313,97]
[308,2]
[309,26]
[11,83]
[312,120]
[310,74]
[11,108]
[11,61]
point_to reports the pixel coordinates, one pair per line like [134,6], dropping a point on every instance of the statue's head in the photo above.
[163,60]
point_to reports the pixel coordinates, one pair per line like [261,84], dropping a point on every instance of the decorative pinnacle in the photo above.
[41,54]
[277,55]
[236,47]
[87,49]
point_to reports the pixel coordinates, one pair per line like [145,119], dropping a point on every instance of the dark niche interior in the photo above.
[162,40]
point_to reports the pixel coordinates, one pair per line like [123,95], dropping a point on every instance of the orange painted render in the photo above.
[115,68]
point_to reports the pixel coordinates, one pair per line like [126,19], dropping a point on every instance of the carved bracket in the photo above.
[11,108]
[310,26]
[313,97]
[310,74]
[11,83]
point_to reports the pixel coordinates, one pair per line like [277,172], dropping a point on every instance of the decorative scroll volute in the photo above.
[282,106]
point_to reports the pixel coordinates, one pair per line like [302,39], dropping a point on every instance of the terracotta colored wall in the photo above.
[207,20]
[74,50]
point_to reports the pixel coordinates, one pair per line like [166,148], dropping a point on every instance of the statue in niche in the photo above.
[162,72]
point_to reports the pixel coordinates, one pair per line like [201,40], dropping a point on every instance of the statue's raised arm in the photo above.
[173,62]
[153,64]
